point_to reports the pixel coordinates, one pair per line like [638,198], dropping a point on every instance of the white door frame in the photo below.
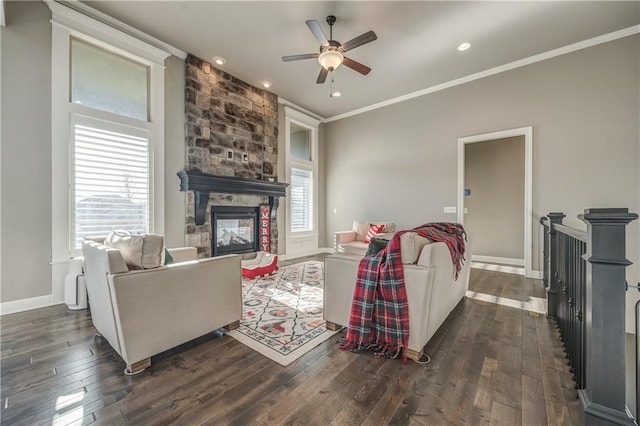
[527,132]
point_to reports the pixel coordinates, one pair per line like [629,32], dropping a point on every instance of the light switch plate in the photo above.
[450,209]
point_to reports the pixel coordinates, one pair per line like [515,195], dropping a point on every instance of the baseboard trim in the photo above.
[500,260]
[22,305]
[535,274]
[295,255]
[498,268]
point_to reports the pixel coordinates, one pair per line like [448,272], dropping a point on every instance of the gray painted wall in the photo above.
[494,173]
[174,152]
[26,151]
[399,162]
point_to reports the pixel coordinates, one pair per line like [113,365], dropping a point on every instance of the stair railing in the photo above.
[584,275]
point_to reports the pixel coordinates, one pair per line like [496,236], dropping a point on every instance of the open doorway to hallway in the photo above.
[494,200]
[495,196]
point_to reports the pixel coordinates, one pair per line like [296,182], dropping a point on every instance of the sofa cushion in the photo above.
[142,251]
[411,245]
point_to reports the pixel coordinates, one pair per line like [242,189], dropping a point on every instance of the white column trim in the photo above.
[3,21]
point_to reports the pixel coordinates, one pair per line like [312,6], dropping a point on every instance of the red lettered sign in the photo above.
[265,228]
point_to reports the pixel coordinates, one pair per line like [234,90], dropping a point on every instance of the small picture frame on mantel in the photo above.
[229,154]
[245,157]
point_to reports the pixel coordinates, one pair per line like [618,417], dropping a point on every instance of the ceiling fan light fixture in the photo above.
[330,59]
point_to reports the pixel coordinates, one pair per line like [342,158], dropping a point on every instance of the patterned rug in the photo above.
[282,313]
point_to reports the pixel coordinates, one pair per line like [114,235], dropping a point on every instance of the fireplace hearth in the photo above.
[234,229]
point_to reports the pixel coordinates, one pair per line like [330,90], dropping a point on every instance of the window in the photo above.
[300,143]
[111,179]
[111,170]
[302,205]
[107,127]
[301,166]
[108,82]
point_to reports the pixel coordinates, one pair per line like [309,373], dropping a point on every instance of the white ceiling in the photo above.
[415,50]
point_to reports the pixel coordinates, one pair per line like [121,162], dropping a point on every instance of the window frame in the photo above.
[301,240]
[68,23]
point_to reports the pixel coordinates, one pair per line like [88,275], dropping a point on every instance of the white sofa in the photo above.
[144,312]
[432,292]
[353,242]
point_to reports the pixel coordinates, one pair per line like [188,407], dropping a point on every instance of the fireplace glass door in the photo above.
[235,230]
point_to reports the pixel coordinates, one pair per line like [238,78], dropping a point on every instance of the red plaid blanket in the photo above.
[379,319]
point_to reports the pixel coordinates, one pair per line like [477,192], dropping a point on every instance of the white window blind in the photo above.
[301,200]
[111,178]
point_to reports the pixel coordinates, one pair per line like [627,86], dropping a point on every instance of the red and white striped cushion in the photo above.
[374,229]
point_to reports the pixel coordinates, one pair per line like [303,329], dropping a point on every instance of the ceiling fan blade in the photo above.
[316,29]
[359,41]
[298,57]
[356,66]
[322,76]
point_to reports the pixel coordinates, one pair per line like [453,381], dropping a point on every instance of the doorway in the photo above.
[484,200]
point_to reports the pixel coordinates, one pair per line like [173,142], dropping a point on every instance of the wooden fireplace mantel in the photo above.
[203,183]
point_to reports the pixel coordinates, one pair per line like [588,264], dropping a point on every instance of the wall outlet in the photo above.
[450,209]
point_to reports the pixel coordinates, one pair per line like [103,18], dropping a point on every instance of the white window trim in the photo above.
[302,120]
[67,23]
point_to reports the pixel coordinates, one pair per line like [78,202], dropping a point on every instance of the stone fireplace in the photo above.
[231,132]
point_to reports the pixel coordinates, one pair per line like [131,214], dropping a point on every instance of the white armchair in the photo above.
[353,242]
[144,312]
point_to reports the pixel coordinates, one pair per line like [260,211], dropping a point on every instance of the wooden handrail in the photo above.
[578,235]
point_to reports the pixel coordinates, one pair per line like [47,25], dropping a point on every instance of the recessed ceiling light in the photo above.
[219,60]
[336,94]
[266,84]
[464,46]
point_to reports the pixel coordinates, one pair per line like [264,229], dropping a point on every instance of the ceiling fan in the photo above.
[331,51]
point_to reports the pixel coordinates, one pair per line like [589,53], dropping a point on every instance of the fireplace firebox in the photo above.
[234,229]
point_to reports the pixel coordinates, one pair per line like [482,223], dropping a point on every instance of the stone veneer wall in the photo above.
[223,114]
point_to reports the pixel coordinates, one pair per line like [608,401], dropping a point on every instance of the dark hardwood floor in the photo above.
[490,365]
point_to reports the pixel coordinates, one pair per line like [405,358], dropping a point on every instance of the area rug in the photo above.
[282,313]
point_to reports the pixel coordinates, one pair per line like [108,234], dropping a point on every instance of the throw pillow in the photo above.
[376,245]
[144,251]
[168,259]
[374,229]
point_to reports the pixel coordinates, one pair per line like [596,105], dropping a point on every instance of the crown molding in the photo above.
[286,103]
[497,70]
[105,19]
